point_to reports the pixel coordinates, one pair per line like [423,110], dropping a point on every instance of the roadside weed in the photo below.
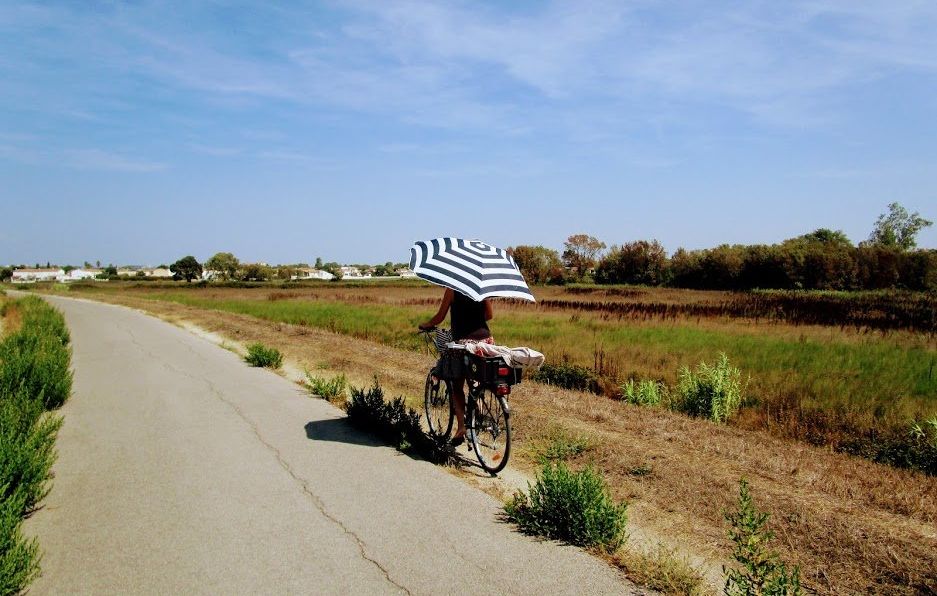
[260,355]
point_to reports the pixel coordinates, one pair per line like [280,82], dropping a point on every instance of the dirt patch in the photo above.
[853,526]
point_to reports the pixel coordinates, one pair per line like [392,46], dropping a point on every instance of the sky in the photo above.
[138,132]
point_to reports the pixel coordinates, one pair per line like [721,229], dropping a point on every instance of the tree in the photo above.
[318,262]
[539,264]
[255,272]
[581,252]
[110,271]
[640,262]
[68,269]
[6,273]
[186,268]
[898,228]
[224,263]
[826,236]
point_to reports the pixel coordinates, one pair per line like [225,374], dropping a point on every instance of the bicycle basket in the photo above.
[443,336]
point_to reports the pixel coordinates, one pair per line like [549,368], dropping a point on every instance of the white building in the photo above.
[82,274]
[405,272]
[306,273]
[158,272]
[21,276]
[354,273]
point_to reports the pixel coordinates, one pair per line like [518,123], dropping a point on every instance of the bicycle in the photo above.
[487,414]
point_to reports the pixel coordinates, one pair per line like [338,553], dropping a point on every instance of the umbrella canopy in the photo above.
[471,267]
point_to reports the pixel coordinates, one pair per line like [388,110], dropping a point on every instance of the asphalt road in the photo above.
[182,470]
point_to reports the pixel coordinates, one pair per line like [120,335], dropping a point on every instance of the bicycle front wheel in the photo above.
[437,399]
[490,426]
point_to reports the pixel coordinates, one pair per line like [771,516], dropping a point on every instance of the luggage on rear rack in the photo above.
[491,370]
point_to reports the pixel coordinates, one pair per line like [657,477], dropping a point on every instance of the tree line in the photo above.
[820,260]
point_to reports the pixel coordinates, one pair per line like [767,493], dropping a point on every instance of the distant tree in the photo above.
[285,273]
[97,264]
[68,269]
[186,268]
[538,264]
[319,263]
[581,253]
[225,263]
[640,262]
[898,228]
[110,270]
[86,265]
[255,272]
[826,236]
[6,273]
[332,267]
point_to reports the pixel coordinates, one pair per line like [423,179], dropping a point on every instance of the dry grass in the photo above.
[853,526]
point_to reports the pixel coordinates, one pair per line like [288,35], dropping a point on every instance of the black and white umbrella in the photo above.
[472,267]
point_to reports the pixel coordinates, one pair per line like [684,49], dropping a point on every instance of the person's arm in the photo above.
[489,314]
[440,316]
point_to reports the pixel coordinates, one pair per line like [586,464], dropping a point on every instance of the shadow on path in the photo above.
[340,430]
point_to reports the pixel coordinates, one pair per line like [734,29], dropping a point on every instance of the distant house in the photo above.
[158,272]
[354,273]
[307,273]
[405,272]
[211,275]
[21,276]
[82,274]
[127,271]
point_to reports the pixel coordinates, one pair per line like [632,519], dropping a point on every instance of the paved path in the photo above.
[182,470]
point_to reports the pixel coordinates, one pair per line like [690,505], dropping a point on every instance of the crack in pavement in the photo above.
[312,497]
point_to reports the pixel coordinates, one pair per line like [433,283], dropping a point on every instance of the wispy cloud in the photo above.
[96,159]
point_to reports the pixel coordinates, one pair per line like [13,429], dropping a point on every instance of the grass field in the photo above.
[857,388]
[853,526]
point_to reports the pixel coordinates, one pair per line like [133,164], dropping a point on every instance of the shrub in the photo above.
[761,572]
[574,507]
[327,388]
[34,377]
[394,422]
[19,557]
[260,355]
[568,376]
[27,440]
[644,393]
[713,391]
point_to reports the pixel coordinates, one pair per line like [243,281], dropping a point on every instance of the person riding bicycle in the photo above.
[469,322]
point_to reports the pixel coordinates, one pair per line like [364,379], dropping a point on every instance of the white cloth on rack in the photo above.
[516,357]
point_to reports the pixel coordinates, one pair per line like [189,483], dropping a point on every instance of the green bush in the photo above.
[34,377]
[568,376]
[574,507]
[712,391]
[260,355]
[19,556]
[761,572]
[327,388]
[27,439]
[643,393]
[393,422]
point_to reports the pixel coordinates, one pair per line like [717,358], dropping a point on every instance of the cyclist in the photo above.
[469,322]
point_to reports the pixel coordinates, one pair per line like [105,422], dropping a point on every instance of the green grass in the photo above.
[874,375]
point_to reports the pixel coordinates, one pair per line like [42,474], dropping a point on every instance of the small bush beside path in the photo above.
[34,379]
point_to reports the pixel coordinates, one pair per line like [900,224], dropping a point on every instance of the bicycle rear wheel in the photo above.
[490,426]
[437,399]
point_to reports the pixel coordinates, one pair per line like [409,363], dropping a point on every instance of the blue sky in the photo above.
[139,132]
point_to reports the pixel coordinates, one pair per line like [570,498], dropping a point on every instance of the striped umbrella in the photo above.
[471,267]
